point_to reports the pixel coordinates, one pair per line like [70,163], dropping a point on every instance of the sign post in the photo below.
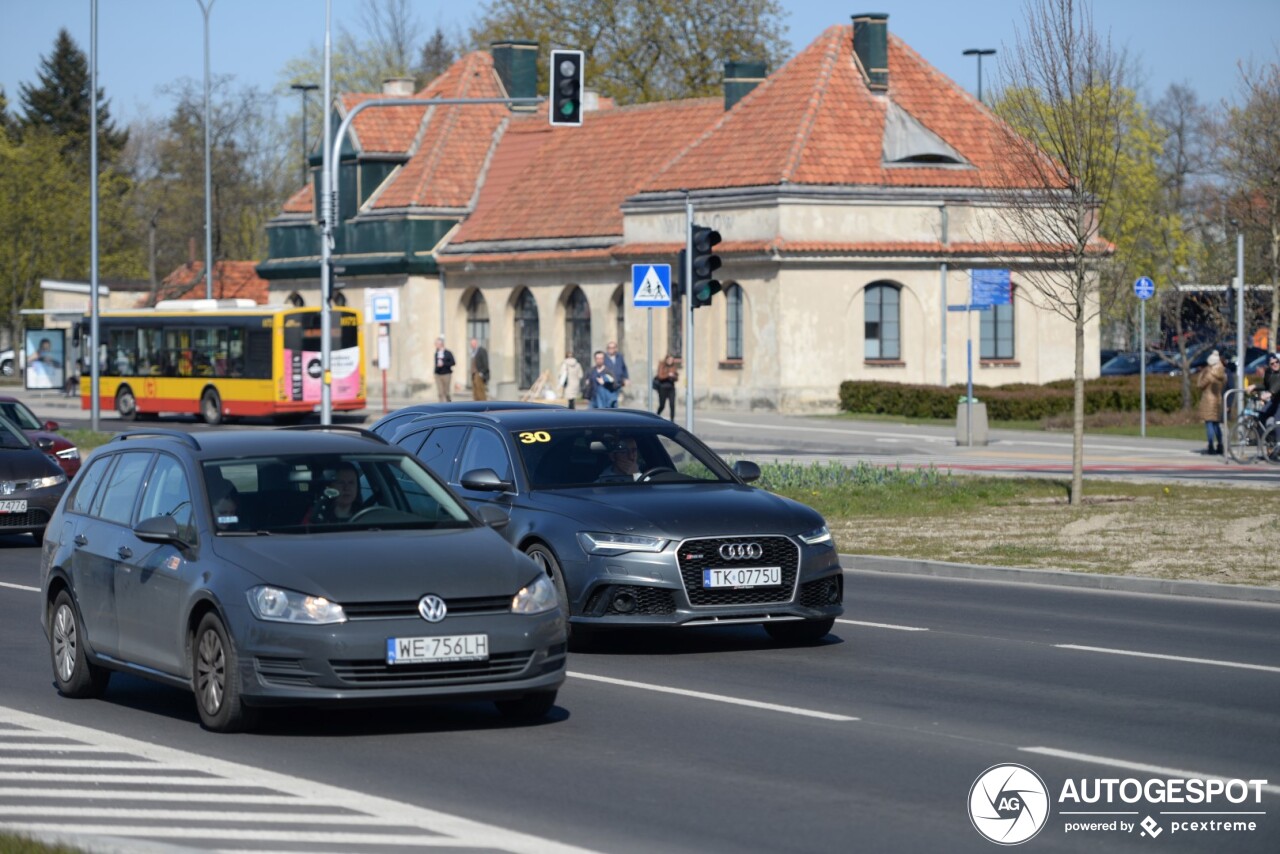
[1143,288]
[987,288]
[650,288]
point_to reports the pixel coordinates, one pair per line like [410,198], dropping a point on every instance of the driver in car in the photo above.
[624,462]
[339,502]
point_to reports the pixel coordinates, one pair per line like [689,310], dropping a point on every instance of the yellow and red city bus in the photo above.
[218,360]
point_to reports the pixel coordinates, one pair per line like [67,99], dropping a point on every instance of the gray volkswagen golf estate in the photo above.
[293,566]
[637,521]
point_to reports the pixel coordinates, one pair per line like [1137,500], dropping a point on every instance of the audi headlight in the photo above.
[536,598]
[46,482]
[594,543]
[286,606]
[817,535]
[69,454]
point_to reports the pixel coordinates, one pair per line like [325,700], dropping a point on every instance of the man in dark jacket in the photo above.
[479,371]
[1271,388]
[444,372]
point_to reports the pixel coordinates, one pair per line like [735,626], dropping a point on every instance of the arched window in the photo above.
[295,299]
[733,322]
[577,326]
[528,360]
[478,319]
[881,330]
[620,334]
[996,324]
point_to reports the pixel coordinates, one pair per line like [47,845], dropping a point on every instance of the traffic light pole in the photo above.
[688,312]
[331,211]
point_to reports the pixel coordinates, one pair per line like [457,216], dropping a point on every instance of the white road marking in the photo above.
[1157,770]
[883,626]
[1214,662]
[20,587]
[70,811]
[436,828]
[719,698]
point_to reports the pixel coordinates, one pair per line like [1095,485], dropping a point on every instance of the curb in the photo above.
[1061,578]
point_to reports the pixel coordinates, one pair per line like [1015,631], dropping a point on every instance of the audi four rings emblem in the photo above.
[432,608]
[741,551]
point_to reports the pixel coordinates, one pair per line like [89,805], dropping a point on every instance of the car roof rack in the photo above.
[161,433]
[351,428]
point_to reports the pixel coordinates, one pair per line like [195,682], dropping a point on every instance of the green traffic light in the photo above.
[567,108]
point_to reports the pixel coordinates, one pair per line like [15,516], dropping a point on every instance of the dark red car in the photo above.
[63,451]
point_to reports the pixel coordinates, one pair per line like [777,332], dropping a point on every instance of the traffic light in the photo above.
[705,264]
[566,87]
[677,281]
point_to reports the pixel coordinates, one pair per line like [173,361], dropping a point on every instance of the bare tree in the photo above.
[1064,105]
[1252,161]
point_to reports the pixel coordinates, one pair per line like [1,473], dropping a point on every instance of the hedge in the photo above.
[1019,402]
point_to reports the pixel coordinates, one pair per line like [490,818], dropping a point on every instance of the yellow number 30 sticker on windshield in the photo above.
[539,436]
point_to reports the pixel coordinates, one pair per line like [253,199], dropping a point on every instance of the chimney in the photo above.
[517,65]
[398,87]
[871,47]
[739,79]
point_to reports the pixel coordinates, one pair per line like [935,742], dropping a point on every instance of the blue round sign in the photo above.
[1144,287]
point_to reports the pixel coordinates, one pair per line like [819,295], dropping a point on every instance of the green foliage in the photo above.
[1017,402]
[778,477]
[640,52]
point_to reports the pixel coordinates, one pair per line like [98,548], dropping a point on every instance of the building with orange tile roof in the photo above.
[855,188]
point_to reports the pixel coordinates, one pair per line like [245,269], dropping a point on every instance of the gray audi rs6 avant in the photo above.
[637,521]
[300,566]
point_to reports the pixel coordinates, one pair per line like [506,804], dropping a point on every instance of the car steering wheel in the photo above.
[360,514]
[656,470]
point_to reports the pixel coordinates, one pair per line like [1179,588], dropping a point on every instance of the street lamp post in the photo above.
[304,88]
[979,52]
[208,181]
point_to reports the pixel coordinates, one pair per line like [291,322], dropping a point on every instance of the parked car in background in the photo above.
[1127,364]
[30,483]
[8,363]
[63,450]
[300,566]
[637,521]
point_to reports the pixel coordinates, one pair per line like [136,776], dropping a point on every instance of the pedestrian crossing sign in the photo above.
[651,285]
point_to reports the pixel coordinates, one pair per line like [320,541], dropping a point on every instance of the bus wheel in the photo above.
[211,407]
[126,404]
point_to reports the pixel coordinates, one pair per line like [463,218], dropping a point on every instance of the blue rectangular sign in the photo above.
[988,288]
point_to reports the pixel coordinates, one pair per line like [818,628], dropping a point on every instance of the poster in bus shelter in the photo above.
[46,358]
[303,372]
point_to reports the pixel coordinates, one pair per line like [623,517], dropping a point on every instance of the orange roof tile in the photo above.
[302,201]
[570,182]
[231,280]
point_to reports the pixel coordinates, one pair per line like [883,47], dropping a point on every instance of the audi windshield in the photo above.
[591,456]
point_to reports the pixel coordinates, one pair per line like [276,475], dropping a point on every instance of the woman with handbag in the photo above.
[664,383]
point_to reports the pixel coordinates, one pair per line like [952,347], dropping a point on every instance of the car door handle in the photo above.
[80,540]
[125,552]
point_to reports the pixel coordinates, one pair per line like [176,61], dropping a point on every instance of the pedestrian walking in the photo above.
[664,382]
[479,371]
[444,372]
[570,379]
[1211,382]
[604,385]
[617,365]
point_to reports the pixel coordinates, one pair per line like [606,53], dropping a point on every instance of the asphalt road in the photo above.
[708,740]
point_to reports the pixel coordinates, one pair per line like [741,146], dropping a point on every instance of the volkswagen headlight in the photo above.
[596,543]
[538,597]
[46,482]
[817,535]
[286,606]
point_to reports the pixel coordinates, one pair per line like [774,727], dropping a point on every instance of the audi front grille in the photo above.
[733,553]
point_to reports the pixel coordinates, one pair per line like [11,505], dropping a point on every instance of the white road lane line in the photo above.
[438,828]
[189,779]
[20,587]
[129,795]
[1184,659]
[883,626]
[101,765]
[69,811]
[1158,770]
[718,698]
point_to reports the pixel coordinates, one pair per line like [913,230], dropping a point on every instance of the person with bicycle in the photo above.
[1211,382]
[1270,391]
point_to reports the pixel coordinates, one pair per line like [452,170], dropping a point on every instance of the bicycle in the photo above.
[1248,439]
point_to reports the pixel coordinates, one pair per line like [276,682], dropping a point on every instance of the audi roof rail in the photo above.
[161,433]
[351,428]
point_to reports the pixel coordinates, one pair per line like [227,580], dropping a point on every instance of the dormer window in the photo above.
[907,142]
